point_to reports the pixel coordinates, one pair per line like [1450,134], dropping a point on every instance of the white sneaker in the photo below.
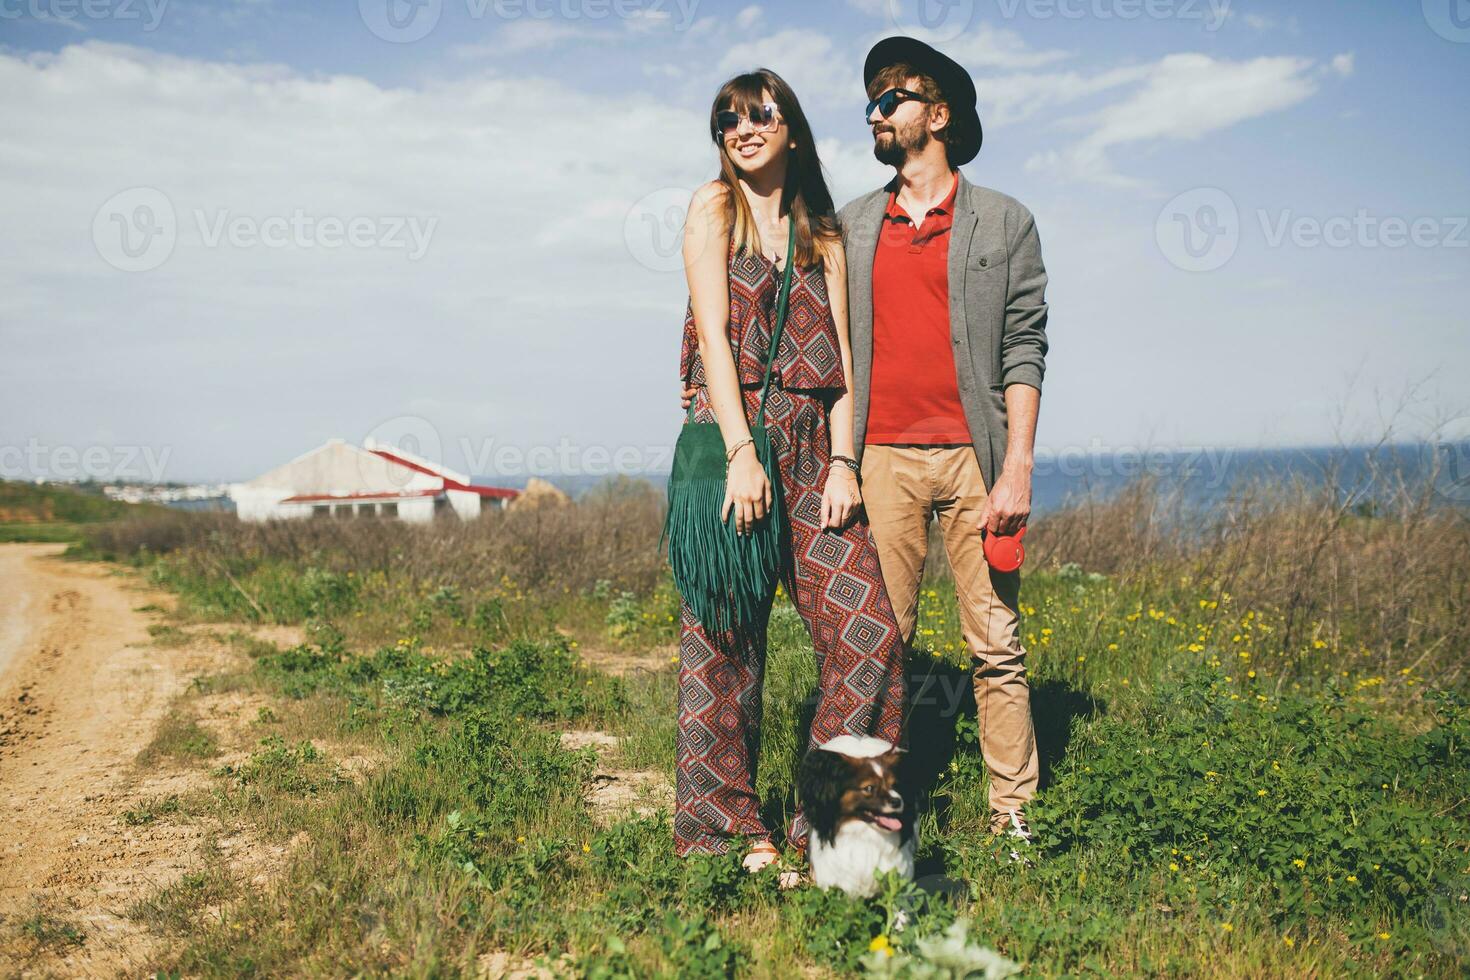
[1018,831]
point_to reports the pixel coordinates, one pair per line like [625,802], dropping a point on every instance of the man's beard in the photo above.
[901,143]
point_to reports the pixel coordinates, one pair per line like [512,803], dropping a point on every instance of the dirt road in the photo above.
[82,690]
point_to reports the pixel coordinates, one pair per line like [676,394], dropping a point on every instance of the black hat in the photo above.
[954,82]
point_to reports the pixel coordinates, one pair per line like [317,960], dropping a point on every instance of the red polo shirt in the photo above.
[914,394]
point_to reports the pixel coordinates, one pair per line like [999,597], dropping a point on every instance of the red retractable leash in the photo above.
[1005,552]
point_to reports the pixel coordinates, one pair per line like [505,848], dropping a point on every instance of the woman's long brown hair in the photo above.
[804,197]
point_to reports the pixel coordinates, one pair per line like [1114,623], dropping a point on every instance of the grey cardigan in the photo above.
[997,307]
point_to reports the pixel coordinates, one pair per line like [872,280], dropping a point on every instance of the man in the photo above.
[947,308]
[947,313]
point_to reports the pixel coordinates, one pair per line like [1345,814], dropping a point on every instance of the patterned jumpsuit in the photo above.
[833,577]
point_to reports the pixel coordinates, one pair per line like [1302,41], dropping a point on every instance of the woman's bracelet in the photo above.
[730,453]
[850,463]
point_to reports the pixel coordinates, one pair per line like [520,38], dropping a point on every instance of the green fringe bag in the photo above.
[725,577]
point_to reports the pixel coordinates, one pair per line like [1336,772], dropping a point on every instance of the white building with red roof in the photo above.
[339,479]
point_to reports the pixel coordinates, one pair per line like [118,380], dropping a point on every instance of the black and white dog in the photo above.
[861,823]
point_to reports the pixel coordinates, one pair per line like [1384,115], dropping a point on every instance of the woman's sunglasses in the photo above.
[763,118]
[890,100]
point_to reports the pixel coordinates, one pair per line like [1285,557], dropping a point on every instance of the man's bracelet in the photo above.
[849,462]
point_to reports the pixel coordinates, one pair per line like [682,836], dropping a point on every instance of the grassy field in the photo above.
[31,512]
[1253,738]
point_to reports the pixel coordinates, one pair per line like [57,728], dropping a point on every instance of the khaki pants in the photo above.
[902,487]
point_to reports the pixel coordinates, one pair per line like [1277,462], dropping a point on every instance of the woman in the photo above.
[734,255]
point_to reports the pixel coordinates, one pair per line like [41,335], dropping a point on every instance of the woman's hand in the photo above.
[747,490]
[841,497]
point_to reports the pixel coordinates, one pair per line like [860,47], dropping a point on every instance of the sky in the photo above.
[237,228]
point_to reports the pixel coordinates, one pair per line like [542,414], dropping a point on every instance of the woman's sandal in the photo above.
[761,855]
[788,880]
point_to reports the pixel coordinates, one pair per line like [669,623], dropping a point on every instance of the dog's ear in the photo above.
[896,761]
[824,777]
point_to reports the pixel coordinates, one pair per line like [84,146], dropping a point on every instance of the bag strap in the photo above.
[781,302]
[760,418]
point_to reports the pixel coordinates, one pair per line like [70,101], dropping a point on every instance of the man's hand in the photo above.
[1009,505]
[841,497]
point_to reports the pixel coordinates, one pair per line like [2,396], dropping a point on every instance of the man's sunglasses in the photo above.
[890,100]
[763,118]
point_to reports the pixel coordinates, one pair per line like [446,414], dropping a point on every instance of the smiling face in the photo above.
[760,138]
[903,133]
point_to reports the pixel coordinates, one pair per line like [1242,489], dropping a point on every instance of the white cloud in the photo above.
[988,46]
[1343,64]
[749,17]
[851,168]
[1008,99]
[1183,97]
[1262,22]
[528,282]
[808,60]
[71,23]
[517,36]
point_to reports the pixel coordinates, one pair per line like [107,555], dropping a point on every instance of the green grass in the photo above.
[1266,783]
[151,810]
[44,532]
[57,514]
[178,738]
[1190,764]
[39,931]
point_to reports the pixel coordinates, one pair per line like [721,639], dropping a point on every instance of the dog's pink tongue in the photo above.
[888,823]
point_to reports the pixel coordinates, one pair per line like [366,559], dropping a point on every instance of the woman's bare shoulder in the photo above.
[708,211]
[709,196]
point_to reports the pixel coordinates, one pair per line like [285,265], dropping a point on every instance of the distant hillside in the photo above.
[33,512]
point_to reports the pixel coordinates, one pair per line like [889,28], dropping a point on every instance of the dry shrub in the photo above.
[1391,578]
[612,533]
[1387,574]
